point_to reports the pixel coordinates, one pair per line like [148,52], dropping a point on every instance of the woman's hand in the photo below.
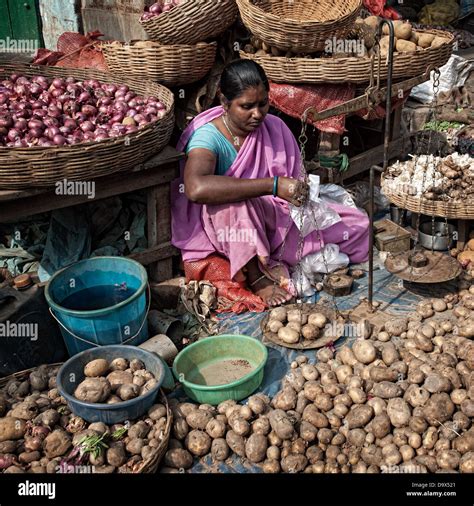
[292,190]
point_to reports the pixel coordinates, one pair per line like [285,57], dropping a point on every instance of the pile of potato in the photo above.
[466,259]
[294,325]
[117,381]
[407,40]
[399,401]
[38,431]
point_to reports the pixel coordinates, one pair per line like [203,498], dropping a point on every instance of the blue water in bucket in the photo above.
[100,301]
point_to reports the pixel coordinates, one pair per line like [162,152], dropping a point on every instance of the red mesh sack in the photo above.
[294,100]
[232,295]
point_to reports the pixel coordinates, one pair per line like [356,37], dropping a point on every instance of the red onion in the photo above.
[40,113]
[110,89]
[161,114]
[131,113]
[21,124]
[57,92]
[58,83]
[36,133]
[150,110]
[120,94]
[14,77]
[132,129]
[8,84]
[20,89]
[59,140]
[121,107]
[156,9]
[73,89]
[66,130]
[3,131]
[84,97]
[80,117]
[78,136]
[152,118]
[70,107]
[70,123]
[146,16]
[117,118]
[6,121]
[54,111]
[50,122]
[139,118]
[36,123]
[45,142]
[35,89]
[89,136]
[13,134]
[87,126]
[38,104]
[129,96]
[104,101]
[3,98]
[50,132]
[89,110]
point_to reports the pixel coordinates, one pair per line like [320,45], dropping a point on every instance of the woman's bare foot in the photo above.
[272,295]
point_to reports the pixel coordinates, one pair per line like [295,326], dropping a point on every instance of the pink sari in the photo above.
[257,227]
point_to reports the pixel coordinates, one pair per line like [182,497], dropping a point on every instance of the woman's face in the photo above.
[248,111]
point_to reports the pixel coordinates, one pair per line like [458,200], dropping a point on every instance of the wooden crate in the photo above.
[391,237]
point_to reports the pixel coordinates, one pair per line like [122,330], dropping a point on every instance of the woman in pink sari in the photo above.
[241,172]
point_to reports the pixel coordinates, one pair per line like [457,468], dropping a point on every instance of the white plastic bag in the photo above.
[327,260]
[302,283]
[316,214]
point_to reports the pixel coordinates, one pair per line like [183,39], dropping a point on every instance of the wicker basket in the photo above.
[462,210]
[353,70]
[148,466]
[191,22]
[175,65]
[301,26]
[22,168]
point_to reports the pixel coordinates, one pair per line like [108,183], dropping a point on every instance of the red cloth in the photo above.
[216,269]
[295,99]
[377,8]
[74,50]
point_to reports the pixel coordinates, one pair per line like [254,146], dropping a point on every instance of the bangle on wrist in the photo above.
[275,186]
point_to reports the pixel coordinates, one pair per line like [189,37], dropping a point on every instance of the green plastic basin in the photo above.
[206,355]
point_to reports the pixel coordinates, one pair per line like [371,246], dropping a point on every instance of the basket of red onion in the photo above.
[58,123]
[174,65]
[188,21]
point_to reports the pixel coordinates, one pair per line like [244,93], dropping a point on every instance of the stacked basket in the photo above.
[306,26]
[177,54]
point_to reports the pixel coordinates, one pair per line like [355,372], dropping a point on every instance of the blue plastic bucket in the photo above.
[119,323]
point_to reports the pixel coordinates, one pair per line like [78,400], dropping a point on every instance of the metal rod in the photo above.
[386,144]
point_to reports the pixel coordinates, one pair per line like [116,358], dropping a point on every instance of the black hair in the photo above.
[241,75]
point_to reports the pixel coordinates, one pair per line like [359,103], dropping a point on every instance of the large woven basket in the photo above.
[191,22]
[22,168]
[174,65]
[353,70]
[148,466]
[456,209]
[301,26]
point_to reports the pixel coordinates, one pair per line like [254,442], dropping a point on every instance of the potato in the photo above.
[296,326]
[116,455]
[295,379]
[93,390]
[347,356]
[288,335]
[379,374]
[274,326]
[425,40]
[359,416]
[296,315]
[399,412]
[310,373]
[281,424]
[261,426]
[198,419]
[26,410]
[198,442]
[312,415]
[219,449]
[435,383]
[364,351]
[98,367]
[307,431]
[236,443]
[294,463]
[178,458]
[317,320]
[323,402]
[386,390]
[180,428]
[127,392]
[372,22]
[279,314]
[310,332]
[119,364]
[285,399]
[371,455]
[437,42]
[380,426]
[257,405]
[118,377]
[403,31]
[139,430]
[57,443]
[323,356]
[467,407]
[38,380]
[464,443]
[396,326]
[135,446]
[239,425]
[256,448]
[271,466]
[466,464]
[389,354]
[439,408]
[379,405]
[215,428]
[416,396]
[357,395]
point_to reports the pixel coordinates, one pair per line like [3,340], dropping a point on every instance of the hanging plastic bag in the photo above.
[327,260]
[316,214]
[302,283]
[334,194]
